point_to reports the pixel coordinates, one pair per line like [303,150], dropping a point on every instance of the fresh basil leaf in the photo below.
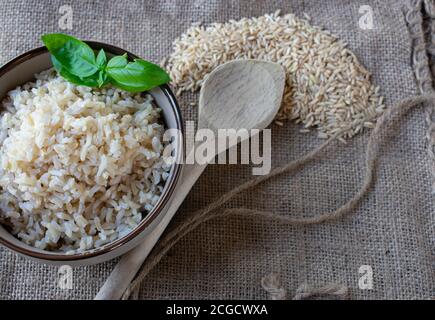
[118,62]
[75,61]
[103,79]
[138,76]
[91,81]
[101,59]
[75,56]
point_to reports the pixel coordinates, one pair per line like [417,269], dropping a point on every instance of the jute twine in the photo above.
[272,285]
[376,139]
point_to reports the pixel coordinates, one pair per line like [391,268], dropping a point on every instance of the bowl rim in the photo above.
[151,216]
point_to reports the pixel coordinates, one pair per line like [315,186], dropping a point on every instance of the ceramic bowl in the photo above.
[21,70]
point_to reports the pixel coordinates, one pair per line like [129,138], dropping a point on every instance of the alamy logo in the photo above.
[231,146]
[66,20]
[366,20]
[366,280]
[65,280]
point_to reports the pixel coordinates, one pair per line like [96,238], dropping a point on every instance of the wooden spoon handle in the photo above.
[130,263]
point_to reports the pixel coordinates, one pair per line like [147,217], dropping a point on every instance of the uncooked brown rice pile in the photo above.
[326,87]
[77,164]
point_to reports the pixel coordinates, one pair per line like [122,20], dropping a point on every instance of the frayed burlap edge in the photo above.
[420,60]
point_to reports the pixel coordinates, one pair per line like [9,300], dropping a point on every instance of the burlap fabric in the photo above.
[392,229]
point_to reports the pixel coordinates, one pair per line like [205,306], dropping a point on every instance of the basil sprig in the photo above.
[75,61]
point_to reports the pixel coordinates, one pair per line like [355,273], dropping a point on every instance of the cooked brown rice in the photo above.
[77,164]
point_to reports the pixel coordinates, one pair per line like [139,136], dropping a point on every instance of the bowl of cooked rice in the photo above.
[85,173]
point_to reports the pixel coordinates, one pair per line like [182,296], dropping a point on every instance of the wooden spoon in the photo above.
[241,94]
